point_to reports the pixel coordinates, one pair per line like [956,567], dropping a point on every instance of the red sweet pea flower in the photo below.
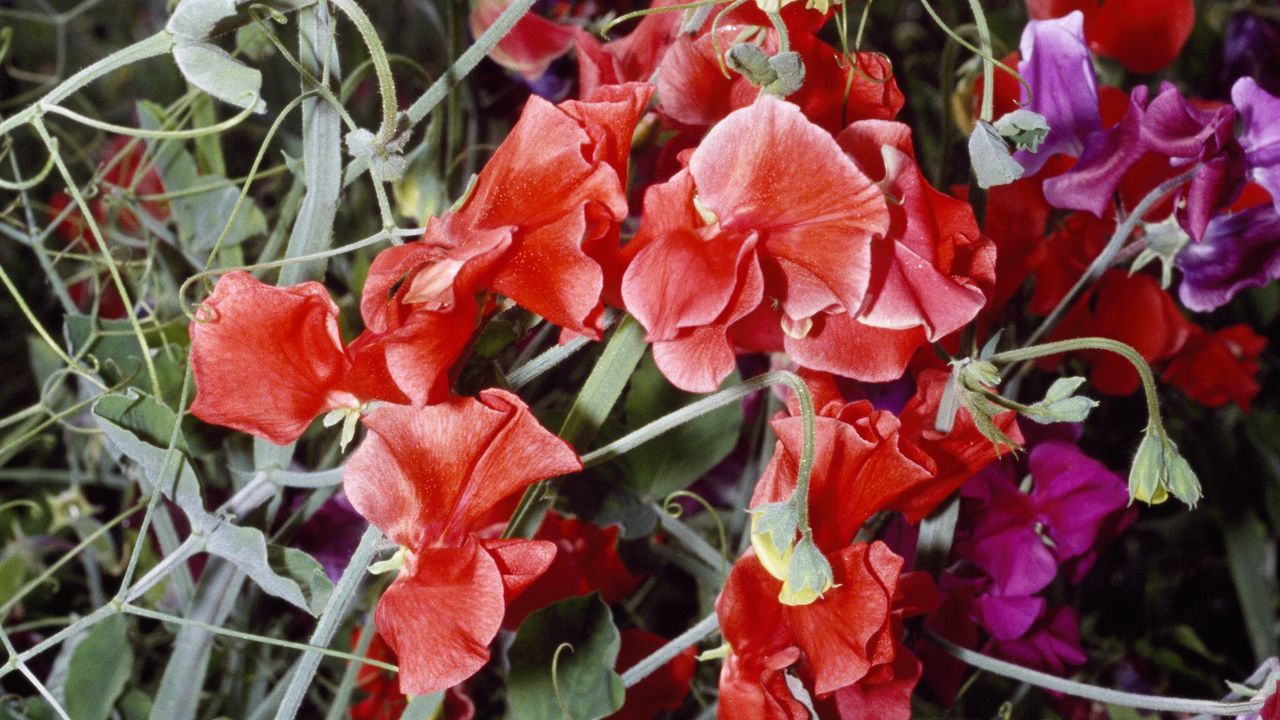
[769,214]
[384,701]
[665,689]
[850,637]
[1144,35]
[694,91]
[121,171]
[1215,368]
[586,560]
[628,59]
[539,223]
[267,360]
[426,477]
[867,460]
[531,46]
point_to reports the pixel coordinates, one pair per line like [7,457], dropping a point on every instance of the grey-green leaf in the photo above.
[990,157]
[214,71]
[246,547]
[100,667]
[585,681]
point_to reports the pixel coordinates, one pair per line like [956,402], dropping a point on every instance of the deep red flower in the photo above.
[122,171]
[665,689]
[586,560]
[1271,708]
[1144,35]
[695,92]
[1215,368]
[426,477]
[848,641]
[537,226]
[531,46]
[384,700]
[267,360]
[632,58]
[769,214]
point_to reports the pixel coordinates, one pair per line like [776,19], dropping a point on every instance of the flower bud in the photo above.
[1160,470]
[773,533]
[808,577]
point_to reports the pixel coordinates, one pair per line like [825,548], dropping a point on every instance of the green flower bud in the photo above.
[1159,470]
[773,533]
[808,577]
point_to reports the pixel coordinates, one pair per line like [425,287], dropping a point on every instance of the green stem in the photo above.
[666,653]
[988,67]
[594,402]
[780,27]
[158,44]
[468,60]
[381,66]
[114,271]
[335,611]
[217,630]
[1090,692]
[1093,343]
[1104,259]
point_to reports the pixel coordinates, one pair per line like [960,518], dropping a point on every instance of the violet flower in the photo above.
[1239,251]
[1170,126]
[1059,70]
[1260,116]
[1251,48]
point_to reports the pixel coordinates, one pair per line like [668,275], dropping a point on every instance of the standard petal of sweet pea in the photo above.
[1108,155]
[548,273]
[1260,116]
[425,475]
[1239,251]
[766,168]
[1058,67]
[266,360]
[838,633]
[440,615]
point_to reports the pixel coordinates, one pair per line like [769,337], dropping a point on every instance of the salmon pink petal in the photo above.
[553,277]
[426,475]
[440,615]
[767,168]
[846,346]
[266,360]
[521,562]
[530,47]
[840,632]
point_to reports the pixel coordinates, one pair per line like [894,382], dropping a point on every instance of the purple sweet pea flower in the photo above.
[1260,115]
[1170,126]
[1059,69]
[1239,251]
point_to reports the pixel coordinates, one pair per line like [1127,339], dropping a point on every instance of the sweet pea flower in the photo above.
[427,477]
[1057,65]
[1239,251]
[1260,116]
[531,46]
[1215,368]
[1143,35]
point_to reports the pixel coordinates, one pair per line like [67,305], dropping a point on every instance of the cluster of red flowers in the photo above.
[801,226]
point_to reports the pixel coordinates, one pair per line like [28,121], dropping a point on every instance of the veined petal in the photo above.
[266,360]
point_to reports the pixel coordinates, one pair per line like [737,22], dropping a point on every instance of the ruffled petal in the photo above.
[266,360]
[440,615]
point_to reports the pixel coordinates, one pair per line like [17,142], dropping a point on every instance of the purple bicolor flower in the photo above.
[1239,251]
[1260,116]
[1051,646]
[1168,126]
[1059,70]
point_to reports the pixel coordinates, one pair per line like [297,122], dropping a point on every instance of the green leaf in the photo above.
[247,548]
[201,216]
[584,676]
[140,429]
[100,667]
[214,71]
[1250,557]
[1061,404]
[305,570]
[678,458]
[990,157]
[113,345]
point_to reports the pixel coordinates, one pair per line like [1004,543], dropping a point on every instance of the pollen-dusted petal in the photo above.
[266,359]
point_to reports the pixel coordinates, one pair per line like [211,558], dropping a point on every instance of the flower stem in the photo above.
[1101,263]
[987,112]
[381,66]
[1090,692]
[666,653]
